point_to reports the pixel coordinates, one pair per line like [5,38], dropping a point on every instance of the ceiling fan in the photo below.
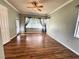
[37,5]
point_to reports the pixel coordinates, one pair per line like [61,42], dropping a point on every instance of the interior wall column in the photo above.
[22,23]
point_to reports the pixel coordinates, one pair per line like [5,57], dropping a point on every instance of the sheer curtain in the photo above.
[34,23]
[37,23]
[43,23]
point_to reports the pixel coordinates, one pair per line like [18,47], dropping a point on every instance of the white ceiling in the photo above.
[49,6]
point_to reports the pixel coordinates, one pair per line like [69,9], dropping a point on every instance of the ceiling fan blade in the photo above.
[40,6]
[36,5]
[39,10]
[30,7]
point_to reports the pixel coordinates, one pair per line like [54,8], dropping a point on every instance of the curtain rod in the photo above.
[36,16]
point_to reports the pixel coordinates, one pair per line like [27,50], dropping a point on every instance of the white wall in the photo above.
[2,53]
[1,48]
[62,26]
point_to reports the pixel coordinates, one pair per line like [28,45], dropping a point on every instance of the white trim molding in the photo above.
[10,39]
[13,37]
[11,5]
[61,6]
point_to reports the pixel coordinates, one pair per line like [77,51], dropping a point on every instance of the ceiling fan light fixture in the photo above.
[35,9]
[36,5]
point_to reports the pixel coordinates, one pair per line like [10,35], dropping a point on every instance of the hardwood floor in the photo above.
[36,46]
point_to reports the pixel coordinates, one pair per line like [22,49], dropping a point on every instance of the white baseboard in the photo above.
[13,37]
[9,39]
[64,45]
[6,42]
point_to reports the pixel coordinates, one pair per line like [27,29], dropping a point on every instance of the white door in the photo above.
[4,25]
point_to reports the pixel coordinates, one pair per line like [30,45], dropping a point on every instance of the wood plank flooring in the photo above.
[36,46]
